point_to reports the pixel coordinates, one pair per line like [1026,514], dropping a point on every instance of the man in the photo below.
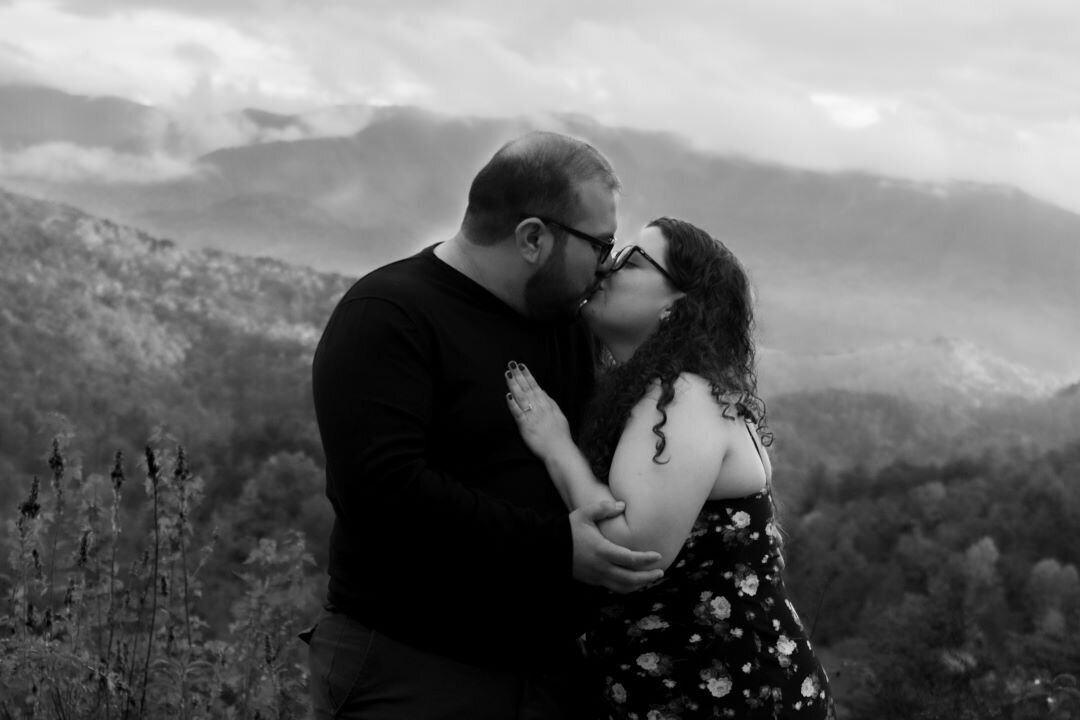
[454,569]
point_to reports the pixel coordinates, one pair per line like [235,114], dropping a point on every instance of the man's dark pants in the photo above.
[357,672]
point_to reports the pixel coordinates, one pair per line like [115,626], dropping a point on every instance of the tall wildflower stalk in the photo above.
[56,465]
[101,622]
[181,479]
[117,483]
[153,473]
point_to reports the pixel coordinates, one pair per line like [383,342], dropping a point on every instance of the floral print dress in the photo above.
[717,637]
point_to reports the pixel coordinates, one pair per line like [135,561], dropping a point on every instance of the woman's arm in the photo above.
[545,430]
[662,498]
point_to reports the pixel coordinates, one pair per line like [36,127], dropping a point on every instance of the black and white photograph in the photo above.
[493,360]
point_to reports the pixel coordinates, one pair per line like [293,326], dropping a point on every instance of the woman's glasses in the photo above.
[624,255]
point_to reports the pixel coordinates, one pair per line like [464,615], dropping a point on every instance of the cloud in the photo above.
[193,8]
[173,145]
[16,64]
[146,55]
[197,54]
[923,88]
[64,162]
[1047,161]
[989,56]
[194,134]
[850,112]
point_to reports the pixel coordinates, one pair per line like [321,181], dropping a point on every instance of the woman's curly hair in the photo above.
[709,332]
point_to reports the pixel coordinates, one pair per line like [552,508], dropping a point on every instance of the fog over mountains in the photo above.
[933,292]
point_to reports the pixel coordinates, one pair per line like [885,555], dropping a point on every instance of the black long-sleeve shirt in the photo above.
[449,535]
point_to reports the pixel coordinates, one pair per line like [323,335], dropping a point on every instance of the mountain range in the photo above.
[845,265]
[119,331]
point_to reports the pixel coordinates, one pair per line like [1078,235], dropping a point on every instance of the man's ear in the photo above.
[533,241]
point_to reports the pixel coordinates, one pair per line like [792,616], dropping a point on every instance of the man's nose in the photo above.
[603,268]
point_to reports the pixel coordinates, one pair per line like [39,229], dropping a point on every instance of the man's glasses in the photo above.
[624,255]
[602,247]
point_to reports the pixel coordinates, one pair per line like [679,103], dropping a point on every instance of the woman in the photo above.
[676,432]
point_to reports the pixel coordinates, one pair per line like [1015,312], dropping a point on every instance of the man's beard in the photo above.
[549,296]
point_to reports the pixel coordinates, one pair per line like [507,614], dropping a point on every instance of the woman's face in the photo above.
[628,304]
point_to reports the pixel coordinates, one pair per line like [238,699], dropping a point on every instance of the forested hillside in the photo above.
[946,590]
[120,332]
[929,544]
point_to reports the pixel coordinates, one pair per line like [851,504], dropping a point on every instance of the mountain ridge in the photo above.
[134,265]
[938,371]
[840,260]
[120,331]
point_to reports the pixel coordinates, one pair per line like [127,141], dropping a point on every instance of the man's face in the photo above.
[557,288]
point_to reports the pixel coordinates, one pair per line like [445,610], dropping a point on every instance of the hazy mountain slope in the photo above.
[121,331]
[941,372]
[840,428]
[273,121]
[98,263]
[31,115]
[351,202]
[842,262]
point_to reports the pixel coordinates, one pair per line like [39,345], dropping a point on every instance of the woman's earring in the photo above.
[665,313]
[607,360]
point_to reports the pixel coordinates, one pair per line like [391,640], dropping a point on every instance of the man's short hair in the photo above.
[536,174]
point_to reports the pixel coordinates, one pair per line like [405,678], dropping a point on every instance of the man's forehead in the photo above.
[598,203]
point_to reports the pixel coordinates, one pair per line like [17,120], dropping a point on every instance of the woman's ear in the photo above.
[665,312]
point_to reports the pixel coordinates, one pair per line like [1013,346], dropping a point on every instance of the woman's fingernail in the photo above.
[513,365]
[509,375]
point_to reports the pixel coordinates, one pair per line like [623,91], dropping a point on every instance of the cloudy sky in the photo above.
[984,90]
